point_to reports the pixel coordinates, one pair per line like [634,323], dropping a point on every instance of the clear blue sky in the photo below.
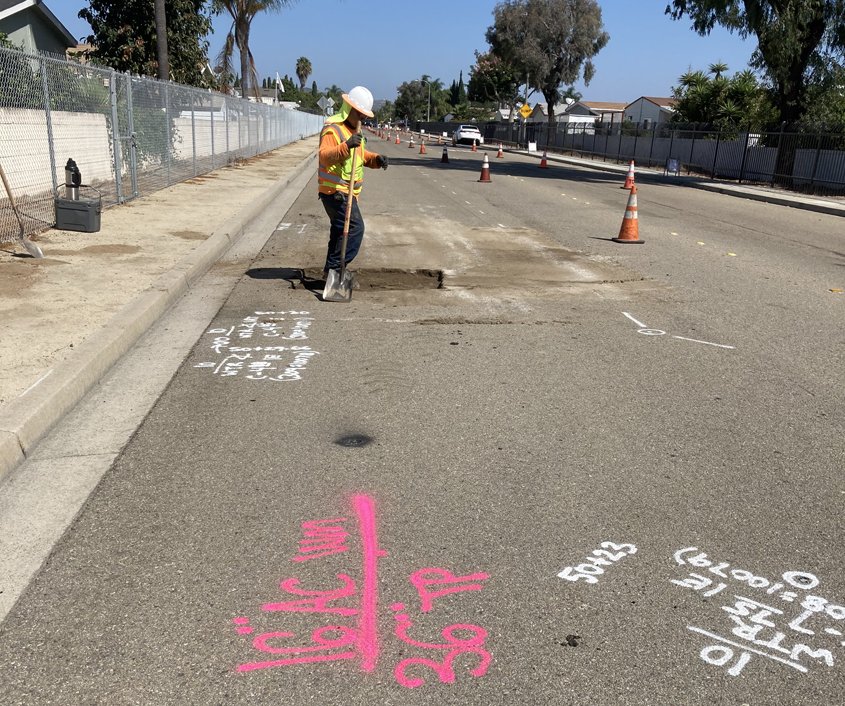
[400,42]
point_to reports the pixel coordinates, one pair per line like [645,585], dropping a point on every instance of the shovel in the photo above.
[31,247]
[339,284]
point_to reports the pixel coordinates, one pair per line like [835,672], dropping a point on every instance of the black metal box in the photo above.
[82,215]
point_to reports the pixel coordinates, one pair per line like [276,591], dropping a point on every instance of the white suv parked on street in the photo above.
[467,134]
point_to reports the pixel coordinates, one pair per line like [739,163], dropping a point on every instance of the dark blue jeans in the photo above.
[335,205]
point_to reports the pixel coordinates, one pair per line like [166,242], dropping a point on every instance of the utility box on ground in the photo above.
[81,215]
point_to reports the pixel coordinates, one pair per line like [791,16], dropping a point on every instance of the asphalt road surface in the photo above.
[525,465]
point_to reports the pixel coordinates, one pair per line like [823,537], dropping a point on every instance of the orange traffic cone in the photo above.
[543,163]
[501,152]
[397,140]
[485,170]
[422,147]
[445,158]
[630,230]
[474,146]
[629,180]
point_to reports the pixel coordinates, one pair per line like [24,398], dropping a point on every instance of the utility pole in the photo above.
[161,41]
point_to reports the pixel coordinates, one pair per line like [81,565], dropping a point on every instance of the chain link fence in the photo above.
[129,135]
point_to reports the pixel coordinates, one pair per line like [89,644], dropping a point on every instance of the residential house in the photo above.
[605,112]
[647,111]
[540,115]
[30,25]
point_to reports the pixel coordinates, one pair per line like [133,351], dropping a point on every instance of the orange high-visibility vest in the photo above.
[337,175]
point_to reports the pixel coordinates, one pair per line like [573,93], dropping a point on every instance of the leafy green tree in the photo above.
[412,100]
[303,71]
[826,109]
[124,36]
[243,12]
[385,113]
[553,41]
[798,41]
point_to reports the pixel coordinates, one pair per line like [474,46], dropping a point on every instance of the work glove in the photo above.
[354,141]
[381,161]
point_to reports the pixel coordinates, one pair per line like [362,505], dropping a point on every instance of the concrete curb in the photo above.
[26,419]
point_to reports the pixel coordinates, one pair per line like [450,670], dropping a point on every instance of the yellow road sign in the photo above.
[526,110]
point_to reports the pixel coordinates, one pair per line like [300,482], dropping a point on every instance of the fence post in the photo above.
[715,155]
[133,153]
[211,112]
[651,147]
[691,150]
[226,115]
[168,134]
[816,163]
[193,134]
[636,140]
[49,115]
[619,151]
[744,155]
[671,144]
[118,158]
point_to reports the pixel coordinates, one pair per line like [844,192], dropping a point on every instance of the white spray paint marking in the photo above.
[594,565]
[706,343]
[280,363]
[300,227]
[466,202]
[645,331]
[638,323]
[37,382]
[755,627]
[706,654]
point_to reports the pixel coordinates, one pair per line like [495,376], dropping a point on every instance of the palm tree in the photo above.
[243,12]
[570,96]
[717,69]
[303,71]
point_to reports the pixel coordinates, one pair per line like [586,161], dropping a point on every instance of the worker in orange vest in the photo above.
[339,137]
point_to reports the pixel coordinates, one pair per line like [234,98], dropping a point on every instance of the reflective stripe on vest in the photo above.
[337,175]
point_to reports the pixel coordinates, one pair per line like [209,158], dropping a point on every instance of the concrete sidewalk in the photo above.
[66,319]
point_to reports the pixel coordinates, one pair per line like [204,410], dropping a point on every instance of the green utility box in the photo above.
[82,215]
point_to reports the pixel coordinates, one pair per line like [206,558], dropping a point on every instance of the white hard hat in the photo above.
[360,99]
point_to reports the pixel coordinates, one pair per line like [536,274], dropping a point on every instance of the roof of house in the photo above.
[605,106]
[12,7]
[662,102]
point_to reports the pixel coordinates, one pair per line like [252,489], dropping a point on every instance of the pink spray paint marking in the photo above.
[367,622]
[424,578]
[314,601]
[322,538]
[333,643]
[454,646]
[243,626]
[322,644]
